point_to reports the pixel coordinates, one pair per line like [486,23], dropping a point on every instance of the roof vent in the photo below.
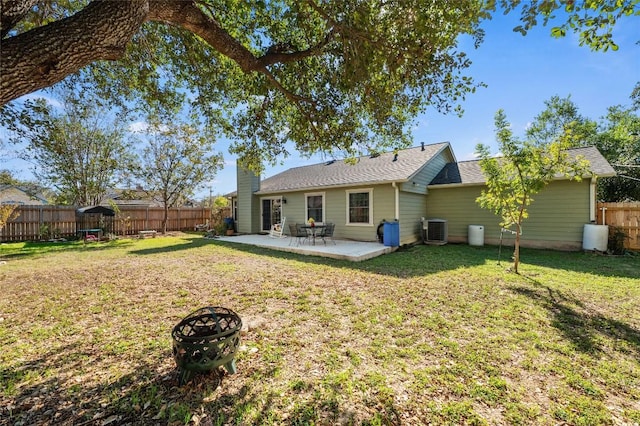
[422,146]
[330,162]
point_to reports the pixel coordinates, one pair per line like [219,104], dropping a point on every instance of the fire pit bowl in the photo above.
[205,340]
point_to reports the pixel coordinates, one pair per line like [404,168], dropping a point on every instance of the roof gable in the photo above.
[368,170]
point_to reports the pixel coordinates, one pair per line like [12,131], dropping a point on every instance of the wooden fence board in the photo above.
[61,221]
[625,216]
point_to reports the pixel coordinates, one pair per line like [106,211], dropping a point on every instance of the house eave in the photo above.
[454,185]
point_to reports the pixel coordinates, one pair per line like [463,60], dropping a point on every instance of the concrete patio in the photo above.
[355,251]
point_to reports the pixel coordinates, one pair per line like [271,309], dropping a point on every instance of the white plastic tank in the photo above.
[476,235]
[595,237]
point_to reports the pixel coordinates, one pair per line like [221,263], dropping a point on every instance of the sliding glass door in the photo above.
[271,212]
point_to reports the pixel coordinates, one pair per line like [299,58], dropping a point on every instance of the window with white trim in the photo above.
[315,207]
[360,207]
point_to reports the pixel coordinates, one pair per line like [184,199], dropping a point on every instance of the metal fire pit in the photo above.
[205,340]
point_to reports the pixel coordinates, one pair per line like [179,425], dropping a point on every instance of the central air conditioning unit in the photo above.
[434,231]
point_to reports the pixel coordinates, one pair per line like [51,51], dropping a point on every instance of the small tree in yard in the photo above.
[176,161]
[522,171]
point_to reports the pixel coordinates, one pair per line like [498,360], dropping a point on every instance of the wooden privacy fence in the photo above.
[625,216]
[43,222]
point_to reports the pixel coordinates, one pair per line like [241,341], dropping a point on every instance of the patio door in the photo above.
[271,212]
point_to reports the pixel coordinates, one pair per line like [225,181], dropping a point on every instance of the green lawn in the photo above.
[431,334]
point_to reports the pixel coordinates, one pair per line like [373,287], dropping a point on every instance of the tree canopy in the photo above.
[176,161]
[332,75]
[616,135]
[76,149]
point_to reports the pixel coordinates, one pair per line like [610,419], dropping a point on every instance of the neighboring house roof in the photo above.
[132,197]
[366,171]
[470,173]
[12,194]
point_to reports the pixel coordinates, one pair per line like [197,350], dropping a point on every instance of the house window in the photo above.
[315,207]
[360,210]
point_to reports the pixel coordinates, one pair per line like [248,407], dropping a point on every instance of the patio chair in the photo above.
[277,229]
[298,233]
[327,232]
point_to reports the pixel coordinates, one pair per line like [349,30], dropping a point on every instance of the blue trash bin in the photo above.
[391,235]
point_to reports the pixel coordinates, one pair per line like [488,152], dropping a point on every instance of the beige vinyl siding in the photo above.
[335,210]
[383,208]
[556,217]
[413,208]
[248,204]
[293,209]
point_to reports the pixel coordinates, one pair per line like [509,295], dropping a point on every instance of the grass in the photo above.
[426,335]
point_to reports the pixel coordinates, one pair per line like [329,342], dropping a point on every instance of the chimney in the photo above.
[248,220]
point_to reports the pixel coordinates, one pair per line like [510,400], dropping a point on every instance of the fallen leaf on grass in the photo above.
[111,419]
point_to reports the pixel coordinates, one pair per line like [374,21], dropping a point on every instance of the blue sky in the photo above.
[520,74]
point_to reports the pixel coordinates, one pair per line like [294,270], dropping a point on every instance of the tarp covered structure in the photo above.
[95,217]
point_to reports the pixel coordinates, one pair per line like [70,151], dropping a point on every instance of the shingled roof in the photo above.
[366,171]
[469,172]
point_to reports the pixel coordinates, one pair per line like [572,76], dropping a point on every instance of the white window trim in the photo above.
[324,205]
[358,191]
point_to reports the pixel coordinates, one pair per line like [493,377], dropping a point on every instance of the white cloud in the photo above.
[138,126]
[469,156]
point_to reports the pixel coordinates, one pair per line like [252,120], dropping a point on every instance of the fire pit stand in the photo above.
[205,340]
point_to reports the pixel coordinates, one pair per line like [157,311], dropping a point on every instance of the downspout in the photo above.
[397,203]
[592,200]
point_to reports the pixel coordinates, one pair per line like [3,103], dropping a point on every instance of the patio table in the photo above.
[312,231]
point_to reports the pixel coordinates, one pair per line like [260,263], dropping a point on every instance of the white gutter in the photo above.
[397,201]
[326,187]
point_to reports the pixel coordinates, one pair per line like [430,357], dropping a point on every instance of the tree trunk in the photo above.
[101,31]
[12,12]
[165,219]
[45,55]
[516,251]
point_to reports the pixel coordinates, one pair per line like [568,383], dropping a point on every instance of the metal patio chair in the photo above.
[327,232]
[298,233]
